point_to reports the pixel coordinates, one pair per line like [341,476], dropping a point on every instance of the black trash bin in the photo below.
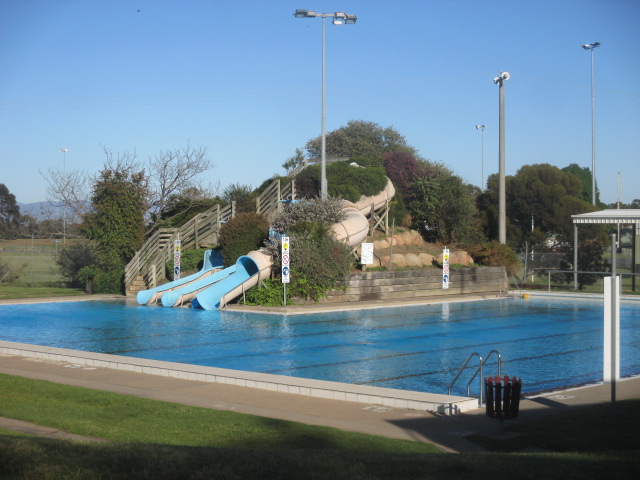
[503,396]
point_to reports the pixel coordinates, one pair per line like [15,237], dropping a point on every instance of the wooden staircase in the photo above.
[146,268]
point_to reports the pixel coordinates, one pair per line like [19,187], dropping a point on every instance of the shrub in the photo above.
[344,181]
[8,273]
[73,258]
[242,234]
[326,212]
[349,182]
[493,254]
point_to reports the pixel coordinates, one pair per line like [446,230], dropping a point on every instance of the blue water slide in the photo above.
[212,260]
[209,299]
[185,294]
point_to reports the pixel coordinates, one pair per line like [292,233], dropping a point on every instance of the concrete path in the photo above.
[448,432]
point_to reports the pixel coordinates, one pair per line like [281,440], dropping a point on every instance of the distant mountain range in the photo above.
[42,210]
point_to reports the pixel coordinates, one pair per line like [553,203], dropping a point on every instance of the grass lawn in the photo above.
[14,291]
[158,440]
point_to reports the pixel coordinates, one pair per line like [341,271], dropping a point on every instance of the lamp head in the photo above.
[304,13]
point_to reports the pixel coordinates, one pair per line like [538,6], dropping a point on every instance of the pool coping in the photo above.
[364,394]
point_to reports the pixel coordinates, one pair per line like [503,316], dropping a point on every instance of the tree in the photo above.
[540,193]
[183,207]
[173,173]
[9,213]
[584,175]
[116,220]
[69,190]
[243,195]
[361,138]
[294,162]
[444,208]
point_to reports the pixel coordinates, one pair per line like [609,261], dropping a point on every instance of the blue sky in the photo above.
[243,79]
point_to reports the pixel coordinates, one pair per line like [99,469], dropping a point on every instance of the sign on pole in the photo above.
[285,260]
[445,268]
[176,259]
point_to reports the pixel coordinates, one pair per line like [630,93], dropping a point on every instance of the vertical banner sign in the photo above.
[285,260]
[445,268]
[176,259]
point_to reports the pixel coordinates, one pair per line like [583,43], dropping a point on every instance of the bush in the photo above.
[494,254]
[8,273]
[73,258]
[96,279]
[348,182]
[344,181]
[318,261]
[242,234]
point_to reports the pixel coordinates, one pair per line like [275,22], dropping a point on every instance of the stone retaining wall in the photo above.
[415,284]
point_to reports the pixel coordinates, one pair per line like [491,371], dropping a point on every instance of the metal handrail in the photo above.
[481,376]
[474,354]
[479,370]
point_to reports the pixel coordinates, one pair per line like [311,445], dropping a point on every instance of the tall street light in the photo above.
[592,47]
[502,203]
[64,179]
[482,128]
[338,19]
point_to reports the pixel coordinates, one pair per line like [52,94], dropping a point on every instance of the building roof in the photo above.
[612,216]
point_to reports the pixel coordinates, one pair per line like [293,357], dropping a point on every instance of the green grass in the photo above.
[13,291]
[138,420]
[161,440]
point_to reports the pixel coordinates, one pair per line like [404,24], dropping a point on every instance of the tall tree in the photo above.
[540,201]
[116,220]
[9,213]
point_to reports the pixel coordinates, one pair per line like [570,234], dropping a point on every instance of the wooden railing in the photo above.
[269,202]
[150,259]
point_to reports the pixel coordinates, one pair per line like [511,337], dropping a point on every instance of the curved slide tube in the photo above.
[212,262]
[249,270]
[182,295]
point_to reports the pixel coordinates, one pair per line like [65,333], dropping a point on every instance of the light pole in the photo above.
[592,47]
[64,186]
[502,203]
[338,19]
[482,128]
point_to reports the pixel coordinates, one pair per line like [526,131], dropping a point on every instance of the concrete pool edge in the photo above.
[388,397]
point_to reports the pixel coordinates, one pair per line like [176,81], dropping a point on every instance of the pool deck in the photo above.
[449,432]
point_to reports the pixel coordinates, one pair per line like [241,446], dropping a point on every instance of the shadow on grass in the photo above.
[37,458]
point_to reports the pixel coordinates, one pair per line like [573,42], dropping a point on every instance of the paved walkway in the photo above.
[448,432]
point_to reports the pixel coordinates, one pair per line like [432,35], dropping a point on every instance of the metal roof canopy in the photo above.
[613,216]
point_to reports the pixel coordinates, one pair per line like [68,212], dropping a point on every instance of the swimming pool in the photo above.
[549,342]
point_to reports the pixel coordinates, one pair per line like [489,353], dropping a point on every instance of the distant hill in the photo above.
[41,210]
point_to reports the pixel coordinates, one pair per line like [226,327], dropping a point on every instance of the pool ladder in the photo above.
[479,370]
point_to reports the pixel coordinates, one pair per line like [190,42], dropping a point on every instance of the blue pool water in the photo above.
[549,343]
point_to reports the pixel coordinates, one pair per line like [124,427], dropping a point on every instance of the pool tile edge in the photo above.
[405,399]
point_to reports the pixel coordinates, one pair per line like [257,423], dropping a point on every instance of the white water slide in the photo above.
[216,290]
